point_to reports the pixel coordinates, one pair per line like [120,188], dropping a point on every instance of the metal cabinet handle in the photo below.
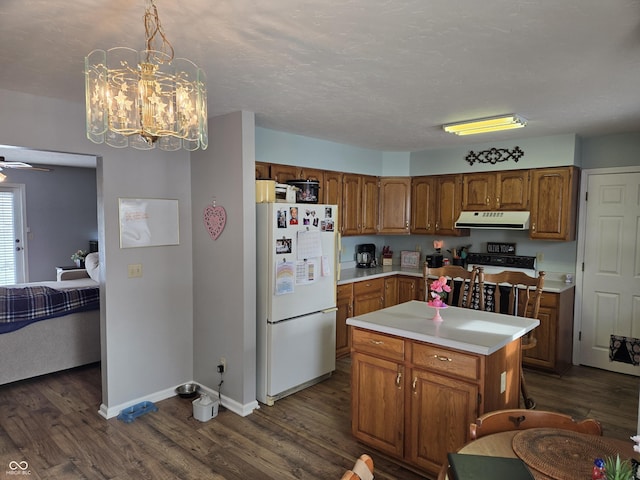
[398,379]
[413,385]
[406,224]
[498,201]
[377,342]
[533,227]
[442,359]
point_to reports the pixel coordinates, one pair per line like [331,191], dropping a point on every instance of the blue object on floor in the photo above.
[129,414]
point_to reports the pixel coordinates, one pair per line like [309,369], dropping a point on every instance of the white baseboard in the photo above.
[228,403]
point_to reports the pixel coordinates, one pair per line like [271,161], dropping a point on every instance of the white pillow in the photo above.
[92,265]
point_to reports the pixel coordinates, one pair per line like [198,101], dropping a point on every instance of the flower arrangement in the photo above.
[439,290]
[79,256]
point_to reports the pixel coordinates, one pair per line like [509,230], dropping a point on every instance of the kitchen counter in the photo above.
[463,329]
[351,275]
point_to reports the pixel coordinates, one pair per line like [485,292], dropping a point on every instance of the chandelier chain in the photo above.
[153,27]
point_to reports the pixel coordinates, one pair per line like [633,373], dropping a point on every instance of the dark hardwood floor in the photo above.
[52,424]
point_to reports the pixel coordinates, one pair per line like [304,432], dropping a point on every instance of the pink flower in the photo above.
[438,289]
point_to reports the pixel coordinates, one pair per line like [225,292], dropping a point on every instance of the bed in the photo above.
[59,339]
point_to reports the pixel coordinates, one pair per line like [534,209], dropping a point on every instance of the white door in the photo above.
[12,237]
[611,278]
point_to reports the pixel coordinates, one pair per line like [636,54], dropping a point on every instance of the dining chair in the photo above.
[521,419]
[362,469]
[460,280]
[513,293]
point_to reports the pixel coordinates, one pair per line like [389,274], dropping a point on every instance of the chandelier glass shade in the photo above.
[145,99]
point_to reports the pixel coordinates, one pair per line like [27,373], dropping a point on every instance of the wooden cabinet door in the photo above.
[368,296]
[512,190]
[543,354]
[369,205]
[344,303]
[395,204]
[553,203]
[407,289]
[377,393]
[478,191]
[351,203]
[263,171]
[449,205]
[423,205]
[333,189]
[390,291]
[284,173]
[441,409]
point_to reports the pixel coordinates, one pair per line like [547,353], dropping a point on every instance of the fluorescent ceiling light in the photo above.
[484,125]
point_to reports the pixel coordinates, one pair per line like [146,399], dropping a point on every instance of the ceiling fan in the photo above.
[20,165]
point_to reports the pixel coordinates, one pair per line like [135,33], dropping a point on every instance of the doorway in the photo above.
[12,235]
[608,268]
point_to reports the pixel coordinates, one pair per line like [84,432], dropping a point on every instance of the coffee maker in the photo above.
[365,255]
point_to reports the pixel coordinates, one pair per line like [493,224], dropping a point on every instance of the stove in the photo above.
[495,262]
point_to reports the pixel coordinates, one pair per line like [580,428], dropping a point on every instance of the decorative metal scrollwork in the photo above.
[494,155]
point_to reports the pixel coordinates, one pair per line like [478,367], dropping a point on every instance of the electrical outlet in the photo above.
[540,257]
[503,382]
[222,365]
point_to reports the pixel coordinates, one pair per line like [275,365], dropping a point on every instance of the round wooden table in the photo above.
[576,450]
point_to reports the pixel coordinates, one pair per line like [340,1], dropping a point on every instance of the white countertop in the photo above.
[351,275]
[462,328]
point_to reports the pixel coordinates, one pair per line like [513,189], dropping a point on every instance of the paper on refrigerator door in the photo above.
[285,278]
[309,244]
[306,271]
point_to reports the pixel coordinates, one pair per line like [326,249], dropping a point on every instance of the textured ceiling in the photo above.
[380,74]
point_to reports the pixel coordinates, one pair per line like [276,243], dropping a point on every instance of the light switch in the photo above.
[135,270]
[503,382]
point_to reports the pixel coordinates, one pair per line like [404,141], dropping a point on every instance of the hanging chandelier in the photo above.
[146,99]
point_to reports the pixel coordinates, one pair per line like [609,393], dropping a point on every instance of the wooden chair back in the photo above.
[362,470]
[521,419]
[524,295]
[453,273]
[524,292]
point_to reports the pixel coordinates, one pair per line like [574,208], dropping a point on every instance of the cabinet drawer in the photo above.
[378,344]
[548,299]
[368,286]
[345,291]
[446,361]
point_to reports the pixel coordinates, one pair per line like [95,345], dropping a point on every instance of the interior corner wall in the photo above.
[224,268]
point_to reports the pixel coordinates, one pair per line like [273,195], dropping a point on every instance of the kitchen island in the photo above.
[417,384]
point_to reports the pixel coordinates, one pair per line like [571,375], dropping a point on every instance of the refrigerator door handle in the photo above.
[329,310]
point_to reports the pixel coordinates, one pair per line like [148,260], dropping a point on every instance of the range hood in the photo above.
[494,220]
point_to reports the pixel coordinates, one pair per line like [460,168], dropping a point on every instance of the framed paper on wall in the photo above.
[409,259]
[148,222]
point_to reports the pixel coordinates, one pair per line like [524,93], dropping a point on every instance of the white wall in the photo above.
[539,152]
[224,269]
[146,323]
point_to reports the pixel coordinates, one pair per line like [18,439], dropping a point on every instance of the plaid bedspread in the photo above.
[21,306]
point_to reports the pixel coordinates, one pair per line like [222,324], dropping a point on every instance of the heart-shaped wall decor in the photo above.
[214,219]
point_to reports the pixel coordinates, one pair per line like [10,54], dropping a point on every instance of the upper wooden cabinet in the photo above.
[395,204]
[448,205]
[332,190]
[554,200]
[263,171]
[369,205]
[351,204]
[507,190]
[359,204]
[423,205]
[284,173]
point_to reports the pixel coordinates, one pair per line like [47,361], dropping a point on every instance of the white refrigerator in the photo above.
[296,296]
